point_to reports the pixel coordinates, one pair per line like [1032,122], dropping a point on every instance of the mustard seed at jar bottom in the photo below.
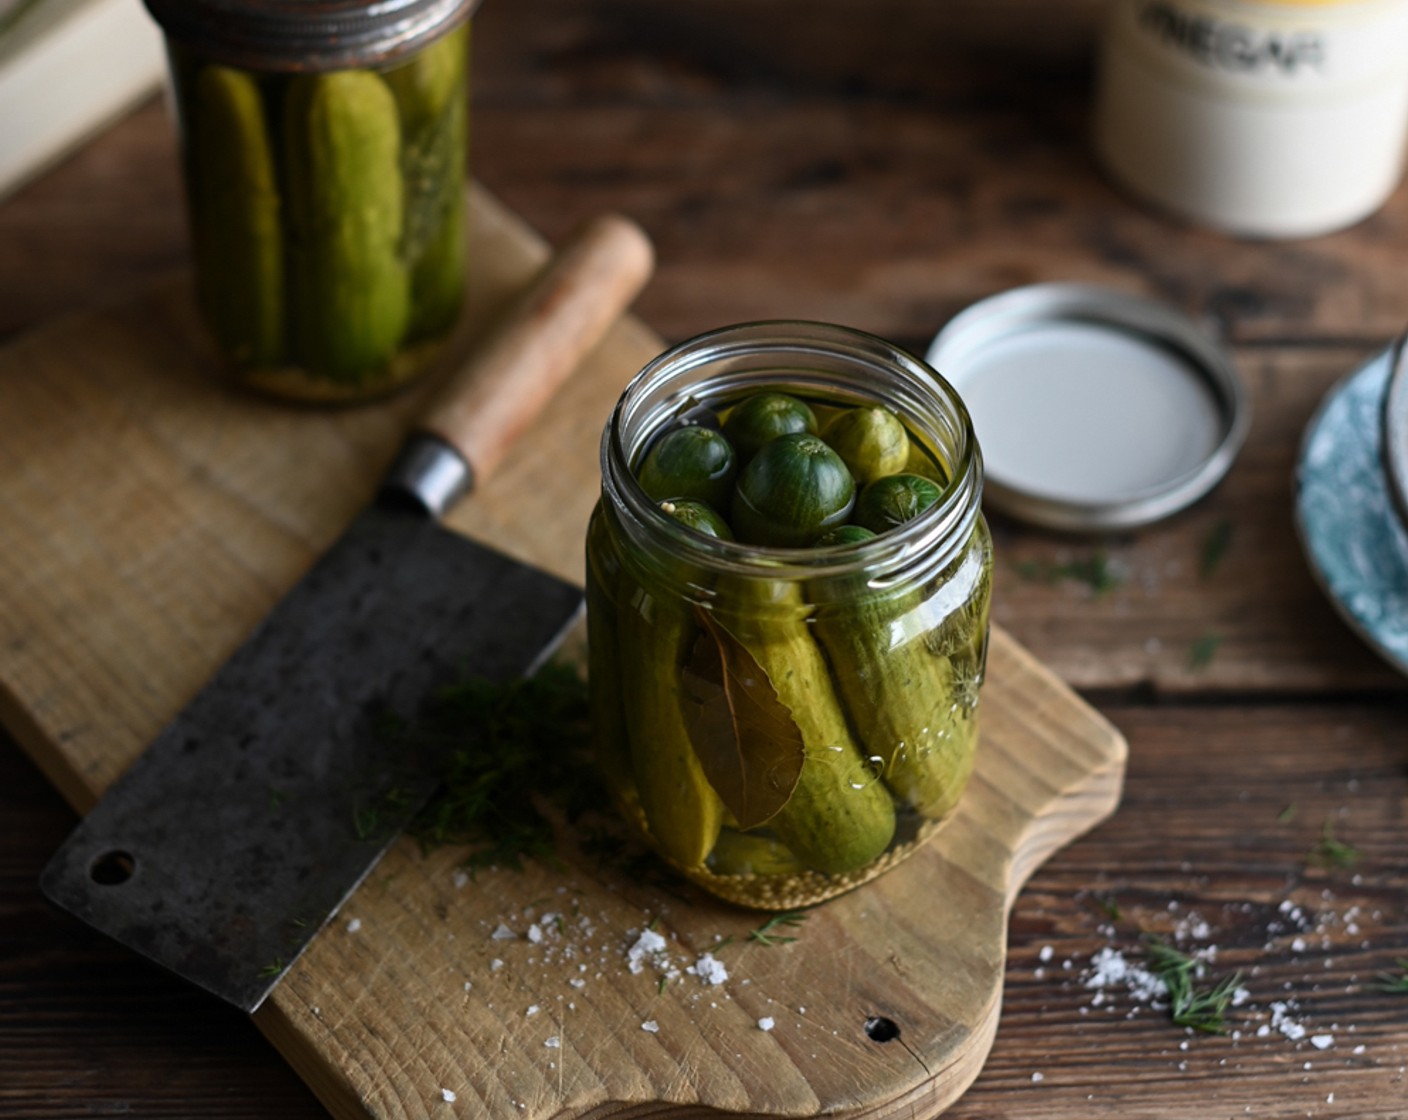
[785,723]
[323,150]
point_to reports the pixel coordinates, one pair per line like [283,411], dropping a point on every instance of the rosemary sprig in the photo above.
[1201,1009]
[763,935]
[1396,984]
[1330,852]
[1215,547]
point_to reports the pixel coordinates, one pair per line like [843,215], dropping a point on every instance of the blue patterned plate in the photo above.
[1356,544]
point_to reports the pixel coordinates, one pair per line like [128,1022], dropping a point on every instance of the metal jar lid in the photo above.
[307,34]
[1095,410]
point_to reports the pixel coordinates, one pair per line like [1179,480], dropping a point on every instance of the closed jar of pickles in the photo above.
[788,583]
[323,148]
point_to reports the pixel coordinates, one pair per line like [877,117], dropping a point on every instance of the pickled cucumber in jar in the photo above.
[327,215]
[794,722]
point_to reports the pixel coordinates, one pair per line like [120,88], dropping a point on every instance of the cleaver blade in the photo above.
[255,813]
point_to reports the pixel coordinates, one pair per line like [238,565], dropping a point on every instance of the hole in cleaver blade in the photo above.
[260,808]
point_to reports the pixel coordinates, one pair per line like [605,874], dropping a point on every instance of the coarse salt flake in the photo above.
[650,1026]
[1038,1078]
[535,933]
[766,1023]
[1046,954]
[354,925]
[503,933]
[447,1095]
[648,948]
[1322,1041]
[709,969]
[553,1043]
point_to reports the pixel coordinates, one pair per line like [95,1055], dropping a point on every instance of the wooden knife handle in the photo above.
[566,310]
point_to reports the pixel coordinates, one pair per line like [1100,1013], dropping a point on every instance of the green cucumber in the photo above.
[236,217]
[763,417]
[792,491]
[682,810]
[699,517]
[744,853]
[693,462]
[432,99]
[870,440]
[840,817]
[842,535]
[351,293]
[912,701]
[890,502]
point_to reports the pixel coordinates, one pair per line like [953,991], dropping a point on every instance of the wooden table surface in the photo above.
[883,165]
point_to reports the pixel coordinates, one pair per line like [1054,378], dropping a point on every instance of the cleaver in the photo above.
[242,828]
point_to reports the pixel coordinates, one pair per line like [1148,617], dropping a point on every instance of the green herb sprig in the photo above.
[1395,983]
[1201,1009]
[1201,652]
[1095,571]
[763,935]
[504,745]
[1215,547]
[1330,852]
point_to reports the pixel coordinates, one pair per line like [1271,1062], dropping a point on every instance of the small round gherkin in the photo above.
[794,489]
[843,534]
[763,417]
[871,440]
[697,516]
[893,500]
[691,462]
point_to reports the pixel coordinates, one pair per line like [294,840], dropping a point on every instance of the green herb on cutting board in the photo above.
[506,745]
[764,934]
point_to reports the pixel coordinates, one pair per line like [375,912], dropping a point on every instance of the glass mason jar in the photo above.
[323,151]
[783,724]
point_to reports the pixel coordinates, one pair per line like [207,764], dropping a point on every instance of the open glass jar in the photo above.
[785,723]
[323,151]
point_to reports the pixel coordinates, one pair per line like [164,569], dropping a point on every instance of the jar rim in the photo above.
[310,36]
[935,537]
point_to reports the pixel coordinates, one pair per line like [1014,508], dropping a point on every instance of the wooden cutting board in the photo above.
[151,514]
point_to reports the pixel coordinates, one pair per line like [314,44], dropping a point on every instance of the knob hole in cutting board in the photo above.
[880,1029]
[112,869]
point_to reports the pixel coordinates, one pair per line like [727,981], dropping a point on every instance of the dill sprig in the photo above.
[763,935]
[504,745]
[1201,652]
[1199,1008]
[1395,983]
[1330,852]
[1215,547]
[1094,570]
